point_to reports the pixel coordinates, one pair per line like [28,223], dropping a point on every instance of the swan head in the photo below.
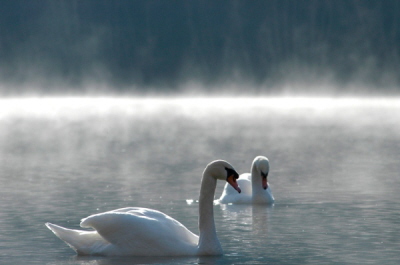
[262,165]
[222,170]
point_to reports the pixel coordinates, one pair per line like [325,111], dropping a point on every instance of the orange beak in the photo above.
[232,181]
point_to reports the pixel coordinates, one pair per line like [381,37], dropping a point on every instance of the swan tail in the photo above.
[83,242]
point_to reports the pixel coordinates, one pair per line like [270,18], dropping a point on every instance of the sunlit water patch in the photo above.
[334,174]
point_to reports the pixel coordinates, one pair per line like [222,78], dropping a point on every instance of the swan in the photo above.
[136,231]
[255,188]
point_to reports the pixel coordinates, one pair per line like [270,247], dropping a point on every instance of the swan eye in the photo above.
[231,172]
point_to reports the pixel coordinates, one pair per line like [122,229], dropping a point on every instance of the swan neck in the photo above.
[208,240]
[256,181]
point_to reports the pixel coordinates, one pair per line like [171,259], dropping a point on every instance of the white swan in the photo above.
[255,188]
[139,231]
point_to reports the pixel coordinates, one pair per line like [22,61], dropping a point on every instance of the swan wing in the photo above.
[83,242]
[134,231]
[244,182]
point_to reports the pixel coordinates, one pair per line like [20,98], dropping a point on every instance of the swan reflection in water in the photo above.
[96,260]
[254,219]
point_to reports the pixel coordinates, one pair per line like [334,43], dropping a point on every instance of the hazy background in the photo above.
[323,47]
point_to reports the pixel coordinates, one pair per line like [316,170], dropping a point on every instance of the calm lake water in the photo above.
[335,174]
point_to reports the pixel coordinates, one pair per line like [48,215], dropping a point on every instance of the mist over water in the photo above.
[334,173]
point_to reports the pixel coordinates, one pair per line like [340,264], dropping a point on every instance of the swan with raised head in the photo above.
[139,231]
[254,185]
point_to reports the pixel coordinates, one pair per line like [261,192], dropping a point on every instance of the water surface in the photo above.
[334,174]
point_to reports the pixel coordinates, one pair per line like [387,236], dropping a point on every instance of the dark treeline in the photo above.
[161,44]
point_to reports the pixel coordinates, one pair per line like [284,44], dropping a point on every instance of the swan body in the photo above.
[254,186]
[136,231]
